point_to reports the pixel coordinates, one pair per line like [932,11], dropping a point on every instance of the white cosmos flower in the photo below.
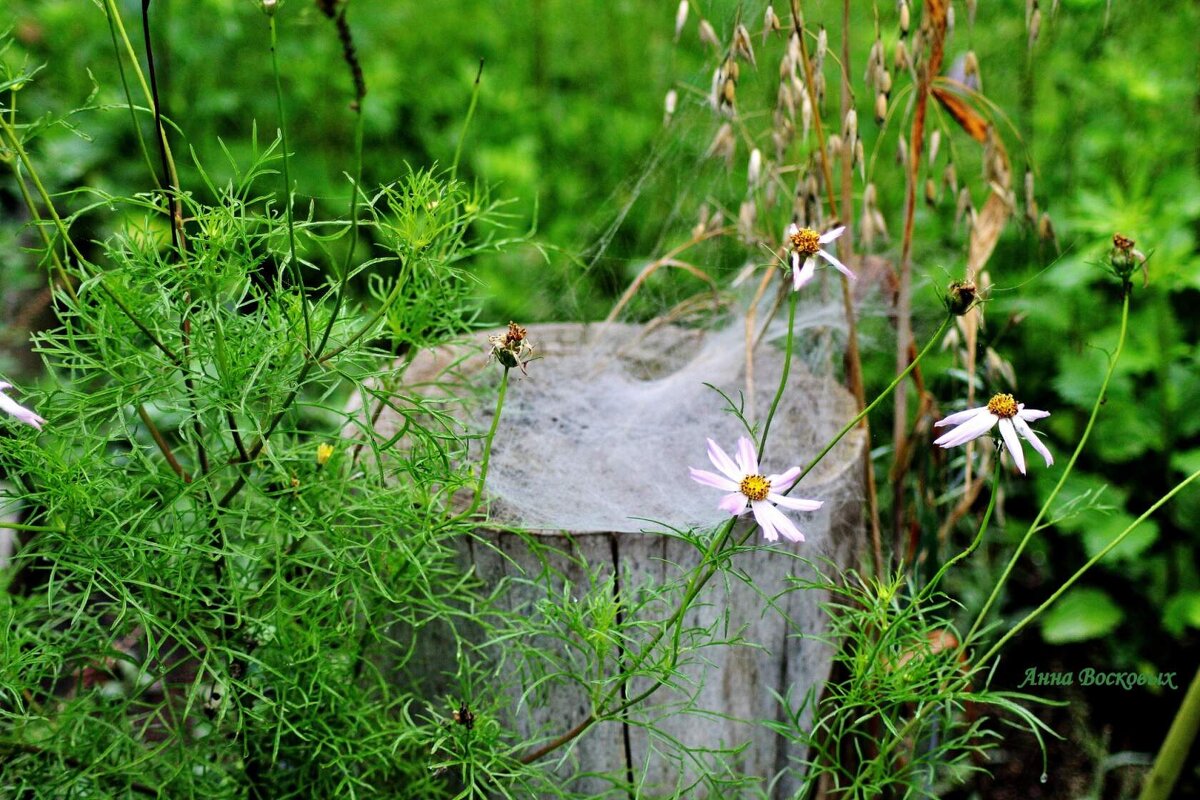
[744,484]
[806,246]
[10,407]
[1014,420]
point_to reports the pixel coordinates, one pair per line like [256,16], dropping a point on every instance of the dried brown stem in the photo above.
[162,443]
[934,22]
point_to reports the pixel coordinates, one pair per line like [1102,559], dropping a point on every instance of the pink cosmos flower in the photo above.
[1014,420]
[10,407]
[806,246]
[744,484]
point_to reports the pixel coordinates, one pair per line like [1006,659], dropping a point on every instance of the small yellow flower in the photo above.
[324,451]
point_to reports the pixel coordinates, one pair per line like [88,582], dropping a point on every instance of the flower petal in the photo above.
[802,275]
[747,457]
[20,412]
[712,479]
[784,481]
[797,503]
[1023,428]
[792,230]
[959,417]
[971,429]
[721,460]
[779,521]
[842,268]
[764,519]
[733,503]
[1013,443]
[829,236]
[1031,414]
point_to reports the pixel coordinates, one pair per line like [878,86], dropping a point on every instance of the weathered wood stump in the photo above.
[596,442]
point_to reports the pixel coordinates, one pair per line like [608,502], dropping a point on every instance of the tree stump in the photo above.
[594,444]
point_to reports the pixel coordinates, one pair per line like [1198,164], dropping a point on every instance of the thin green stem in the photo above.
[852,424]
[487,451]
[1161,782]
[467,122]
[21,526]
[1032,615]
[294,264]
[1033,528]
[111,14]
[987,516]
[82,262]
[787,367]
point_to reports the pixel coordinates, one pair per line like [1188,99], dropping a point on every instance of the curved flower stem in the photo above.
[487,452]
[1033,528]
[987,516]
[1032,615]
[467,122]
[297,275]
[787,368]
[704,571]
[852,424]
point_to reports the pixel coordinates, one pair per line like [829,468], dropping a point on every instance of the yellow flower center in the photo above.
[806,241]
[755,487]
[1003,405]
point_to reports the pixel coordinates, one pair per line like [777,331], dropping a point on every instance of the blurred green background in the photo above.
[1103,109]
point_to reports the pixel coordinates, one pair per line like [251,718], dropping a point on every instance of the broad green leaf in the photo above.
[1081,614]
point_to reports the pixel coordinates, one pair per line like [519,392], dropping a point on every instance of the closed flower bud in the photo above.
[681,15]
[771,23]
[960,296]
[1125,258]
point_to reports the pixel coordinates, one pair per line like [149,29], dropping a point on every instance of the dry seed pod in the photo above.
[880,224]
[806,114]
[822,45]
[793,49]
[742,48]
[905,17]
[708,35]
[714,92]
[833,146]
[950,178]
[729,95]
[930,192]
[681,15]
[1031,208]
[949,19]
[771,22]
[902,61]
[669,106]
[971,71]
[935,143]
[1046,229]
[902,151]
[859,158]
[784,100]
[1035,26]
[819,85]
[881,103]
[962,207]
[850,125]
[724,145]
[874,62]
[754,169]
[885,82]
[747,215]
[971,8]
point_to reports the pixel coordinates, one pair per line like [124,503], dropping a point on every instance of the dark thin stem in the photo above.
[467,122]
[163,446]
[987,516]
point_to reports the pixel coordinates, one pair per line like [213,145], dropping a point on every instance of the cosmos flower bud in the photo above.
[324,451]
[511,348]
[1125,258]
[960,296]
